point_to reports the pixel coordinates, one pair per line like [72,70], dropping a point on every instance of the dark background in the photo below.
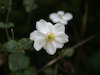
[85,60]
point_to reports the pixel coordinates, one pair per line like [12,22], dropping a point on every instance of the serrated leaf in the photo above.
[10,46]
[30,71]
[18,61]
[25,41]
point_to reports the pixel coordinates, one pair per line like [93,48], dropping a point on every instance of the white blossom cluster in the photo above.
[51,37]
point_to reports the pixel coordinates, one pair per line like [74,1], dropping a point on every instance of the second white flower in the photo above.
[61,17]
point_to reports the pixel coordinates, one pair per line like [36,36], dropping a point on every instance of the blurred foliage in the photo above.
[27,71]
[49,71]
[26,42]
[94,61]
[17,56]
[18,61]
[9,25]
[30,71]
[29,5]
[10,46]
[69,53]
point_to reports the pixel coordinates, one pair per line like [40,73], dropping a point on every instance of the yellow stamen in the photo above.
[60,16]
[50,36]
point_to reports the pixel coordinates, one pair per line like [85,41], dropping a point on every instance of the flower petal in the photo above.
[60,12]
[50,47]
[61,37]
[58,44]
[50,27]
[36,35]
[68,16]
[59,28]
[42,26]
[38,44]
[63,21]
[54,17]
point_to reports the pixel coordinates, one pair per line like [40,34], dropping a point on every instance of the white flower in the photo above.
[49,36]
[61,17]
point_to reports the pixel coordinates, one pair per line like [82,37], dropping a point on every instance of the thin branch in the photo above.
[85,16]
[67,52]
[9,9]
[56,69]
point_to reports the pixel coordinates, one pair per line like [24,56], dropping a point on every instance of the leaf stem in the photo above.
[6,30]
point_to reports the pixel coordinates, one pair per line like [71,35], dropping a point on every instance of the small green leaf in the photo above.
[30,71]
[18,61]
[2,25]
[25,43]
[29,5]
[28,8]
[10,46]
[9,25]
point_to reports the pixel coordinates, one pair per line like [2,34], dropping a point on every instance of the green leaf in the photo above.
[25,43]
[30,71]
[9,25]
[18,61]
[10,46]
[49,71]
[2,25]
[28,8]
[29,5]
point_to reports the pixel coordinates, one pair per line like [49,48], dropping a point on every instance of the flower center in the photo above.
[50,36]
[60,16]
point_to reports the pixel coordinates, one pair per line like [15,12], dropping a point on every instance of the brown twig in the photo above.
[56,69]
[67,52]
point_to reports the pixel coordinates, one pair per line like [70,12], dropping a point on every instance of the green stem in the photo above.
[6,30]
